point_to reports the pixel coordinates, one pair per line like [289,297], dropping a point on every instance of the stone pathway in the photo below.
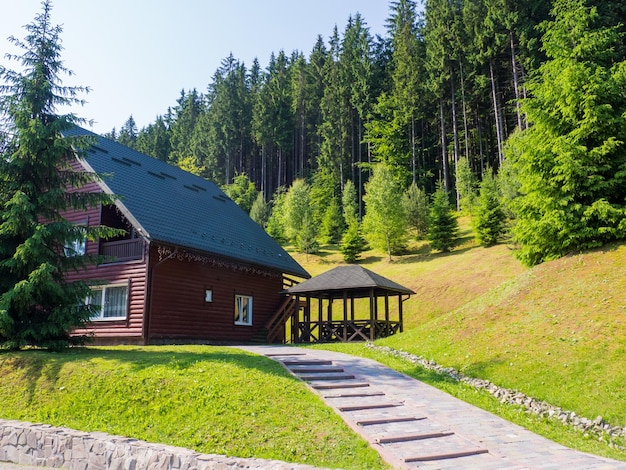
[414,425]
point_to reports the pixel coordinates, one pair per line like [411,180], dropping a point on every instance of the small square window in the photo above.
[243,310]
[75,247]
[208,295]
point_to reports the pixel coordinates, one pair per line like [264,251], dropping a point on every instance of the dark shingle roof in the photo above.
[352,278]
[172,206]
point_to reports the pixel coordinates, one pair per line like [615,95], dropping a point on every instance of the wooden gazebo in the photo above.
[346,283]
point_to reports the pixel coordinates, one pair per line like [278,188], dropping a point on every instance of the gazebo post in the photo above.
[345,317]
[295,320]
[373,303]
[352,306]
[320,316]
[386,314]
[330,318]
[400,304]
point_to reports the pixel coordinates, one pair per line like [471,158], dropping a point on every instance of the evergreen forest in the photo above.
[530,92]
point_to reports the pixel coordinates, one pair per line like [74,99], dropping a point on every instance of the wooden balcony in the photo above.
[122,250]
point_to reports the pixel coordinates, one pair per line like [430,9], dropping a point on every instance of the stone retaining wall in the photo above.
[49,446]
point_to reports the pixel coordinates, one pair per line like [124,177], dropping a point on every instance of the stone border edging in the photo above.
[48,446]
[596,427]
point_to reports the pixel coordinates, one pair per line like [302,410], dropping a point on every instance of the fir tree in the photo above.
[38,306]
[415,202]
[571,162]
[465,186]
[332,223]
[352,243]
[489,220]
[443,225]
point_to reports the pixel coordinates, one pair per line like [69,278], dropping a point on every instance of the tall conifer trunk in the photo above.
[496,111]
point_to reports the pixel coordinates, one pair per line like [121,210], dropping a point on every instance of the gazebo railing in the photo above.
[343,330]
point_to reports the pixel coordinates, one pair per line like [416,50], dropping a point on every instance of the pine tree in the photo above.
[489,220]
[415,202]
[465,186]
[349,203]
[443,225]
[38,306]
[352,243]
[571,162]
[332,223]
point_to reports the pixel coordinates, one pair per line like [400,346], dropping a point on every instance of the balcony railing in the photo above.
[122,250]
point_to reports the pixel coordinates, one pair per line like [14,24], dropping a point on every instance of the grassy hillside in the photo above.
[556,332]
[211,399]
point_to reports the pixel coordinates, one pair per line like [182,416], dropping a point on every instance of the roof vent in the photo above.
[156,175]
[199,187]
[117,160]
[168,175]
[132,162]
[99,149]
[190,188]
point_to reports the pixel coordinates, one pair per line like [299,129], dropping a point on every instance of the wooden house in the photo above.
[191,267]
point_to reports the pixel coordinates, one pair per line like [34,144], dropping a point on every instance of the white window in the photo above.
[110,301]
[243,310]
[75,247]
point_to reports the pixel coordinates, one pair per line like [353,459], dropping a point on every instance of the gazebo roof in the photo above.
[356,280]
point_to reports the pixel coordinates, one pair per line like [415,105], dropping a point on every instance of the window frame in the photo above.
[247,321]
[103,289]
[75,247]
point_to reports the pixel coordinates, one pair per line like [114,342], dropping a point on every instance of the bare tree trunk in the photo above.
[413,156]
[515,82]
[280,166]
[444,152]
[465,124]
[455,133]
[263,172]
[496,111]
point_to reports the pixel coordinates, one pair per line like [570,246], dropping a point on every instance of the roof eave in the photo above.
[118,203]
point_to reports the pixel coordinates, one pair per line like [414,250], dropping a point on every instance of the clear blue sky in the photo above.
[136,55]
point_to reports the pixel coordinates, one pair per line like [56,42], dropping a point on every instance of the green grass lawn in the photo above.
[210,399]
[556,332]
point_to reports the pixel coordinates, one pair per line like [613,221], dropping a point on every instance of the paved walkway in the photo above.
[414,425]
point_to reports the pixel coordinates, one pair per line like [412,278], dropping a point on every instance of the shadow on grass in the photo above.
[40,366]
[482,368]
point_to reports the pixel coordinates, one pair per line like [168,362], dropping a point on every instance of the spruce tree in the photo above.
[352,244]
[415,202]
[443,225]
[571,162]
[38,306]
[332,223]
[489,220]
